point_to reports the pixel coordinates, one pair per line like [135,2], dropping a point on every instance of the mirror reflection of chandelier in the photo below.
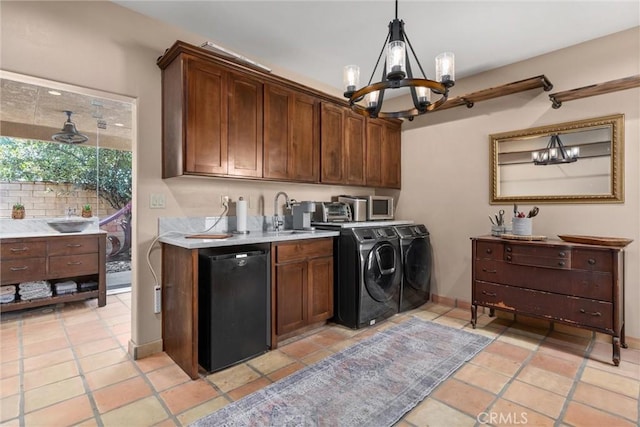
[555,153]
[396,74]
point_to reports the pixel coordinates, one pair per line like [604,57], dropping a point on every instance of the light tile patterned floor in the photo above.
[68,365]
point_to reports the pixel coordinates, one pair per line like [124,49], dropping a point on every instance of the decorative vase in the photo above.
[17,214]
[86,214]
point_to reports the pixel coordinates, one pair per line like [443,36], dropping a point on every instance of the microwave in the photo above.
[379,207]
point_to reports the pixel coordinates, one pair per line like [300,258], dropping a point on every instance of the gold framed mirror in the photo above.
[574,162]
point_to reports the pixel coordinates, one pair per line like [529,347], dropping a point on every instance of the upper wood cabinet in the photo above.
[291,146]
[342,142]
[222,115]
[383,154]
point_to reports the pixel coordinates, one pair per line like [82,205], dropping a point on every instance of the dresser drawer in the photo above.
[572,310]
[73,265]
[586,284]
[18,249]
[23,270]
[303,249]
[586,259]
[489,250]
[73,245]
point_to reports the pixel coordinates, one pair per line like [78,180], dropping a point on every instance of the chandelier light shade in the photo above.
[69,134]
[396,74]
[555,153]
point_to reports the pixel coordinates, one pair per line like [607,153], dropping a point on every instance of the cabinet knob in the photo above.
[561,253]
[489,250]
[508,257]
[508,249]
[561,263]
[591,261]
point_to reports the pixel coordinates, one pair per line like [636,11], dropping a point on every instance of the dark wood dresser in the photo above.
[576,284]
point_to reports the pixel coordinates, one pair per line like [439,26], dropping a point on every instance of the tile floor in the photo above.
[68,365]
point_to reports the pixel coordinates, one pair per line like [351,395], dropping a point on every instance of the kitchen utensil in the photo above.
[491,219]
[533,212]
[515,210]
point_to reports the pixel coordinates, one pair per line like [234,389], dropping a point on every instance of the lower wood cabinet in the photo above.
[574,284]
[57,258]
[302,286]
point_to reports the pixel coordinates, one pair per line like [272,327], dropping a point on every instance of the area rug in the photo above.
[372,383]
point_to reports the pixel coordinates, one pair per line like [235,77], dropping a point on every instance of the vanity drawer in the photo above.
[20,249]
[489,250]
[586,259]
[586,284]
[73,265]
[23,270]
[571,310]
[304,249]
[74,245]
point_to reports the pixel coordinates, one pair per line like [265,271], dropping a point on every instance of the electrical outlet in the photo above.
[157,201]
[157,299]
[224,201]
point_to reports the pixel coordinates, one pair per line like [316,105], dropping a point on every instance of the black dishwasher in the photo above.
[234,307]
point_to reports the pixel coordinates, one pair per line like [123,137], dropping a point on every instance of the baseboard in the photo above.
[143,350]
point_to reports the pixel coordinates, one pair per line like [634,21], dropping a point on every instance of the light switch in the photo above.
[156,201]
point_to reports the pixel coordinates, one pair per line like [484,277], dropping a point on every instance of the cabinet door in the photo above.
[354,142]
[206,118]
[383,154]
[391,155]
[375,132]
[291,298]
[291,147]
[320,305]
[245,126]
[332,144]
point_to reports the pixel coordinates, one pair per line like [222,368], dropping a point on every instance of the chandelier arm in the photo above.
[424,75]
[384,45]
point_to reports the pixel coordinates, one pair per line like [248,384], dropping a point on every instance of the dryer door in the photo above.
[418,264]
[382,272]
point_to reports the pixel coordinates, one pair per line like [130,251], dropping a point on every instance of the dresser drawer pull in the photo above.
[74,263]
[19,268]
[73,245]
[591,261]
[561,254]
[19,249]
[489,294]
[489,250]
[595,313]
[508,249]
[508,257]
[561,263]
[484,269]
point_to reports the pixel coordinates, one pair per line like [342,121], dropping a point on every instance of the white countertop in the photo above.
[38,227]
[27,234]
[254,237]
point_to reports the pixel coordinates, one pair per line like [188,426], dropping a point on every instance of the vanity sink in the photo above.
[69,225]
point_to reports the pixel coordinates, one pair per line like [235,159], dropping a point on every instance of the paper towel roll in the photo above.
[241,215]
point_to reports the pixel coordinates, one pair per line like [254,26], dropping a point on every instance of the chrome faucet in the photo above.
[277,222]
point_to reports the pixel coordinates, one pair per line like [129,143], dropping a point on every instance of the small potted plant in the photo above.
[86,211]
[18,211]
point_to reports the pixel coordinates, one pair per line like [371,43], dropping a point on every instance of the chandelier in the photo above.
[397,73]
[555,153]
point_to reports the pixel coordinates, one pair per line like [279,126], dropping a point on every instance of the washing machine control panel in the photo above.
[374,234]
[412,230]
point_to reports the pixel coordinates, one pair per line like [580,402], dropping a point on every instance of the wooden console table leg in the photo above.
[474,315]
[616,351]
[623,341]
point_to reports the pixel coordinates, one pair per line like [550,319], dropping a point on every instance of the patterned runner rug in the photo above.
[372,383]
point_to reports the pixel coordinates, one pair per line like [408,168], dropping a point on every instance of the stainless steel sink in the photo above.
[69,225]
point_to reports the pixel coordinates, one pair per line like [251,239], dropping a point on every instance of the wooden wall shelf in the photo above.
[597,89]
[470,99]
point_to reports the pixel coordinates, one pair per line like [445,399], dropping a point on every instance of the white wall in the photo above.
[117,51]
[445,161]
